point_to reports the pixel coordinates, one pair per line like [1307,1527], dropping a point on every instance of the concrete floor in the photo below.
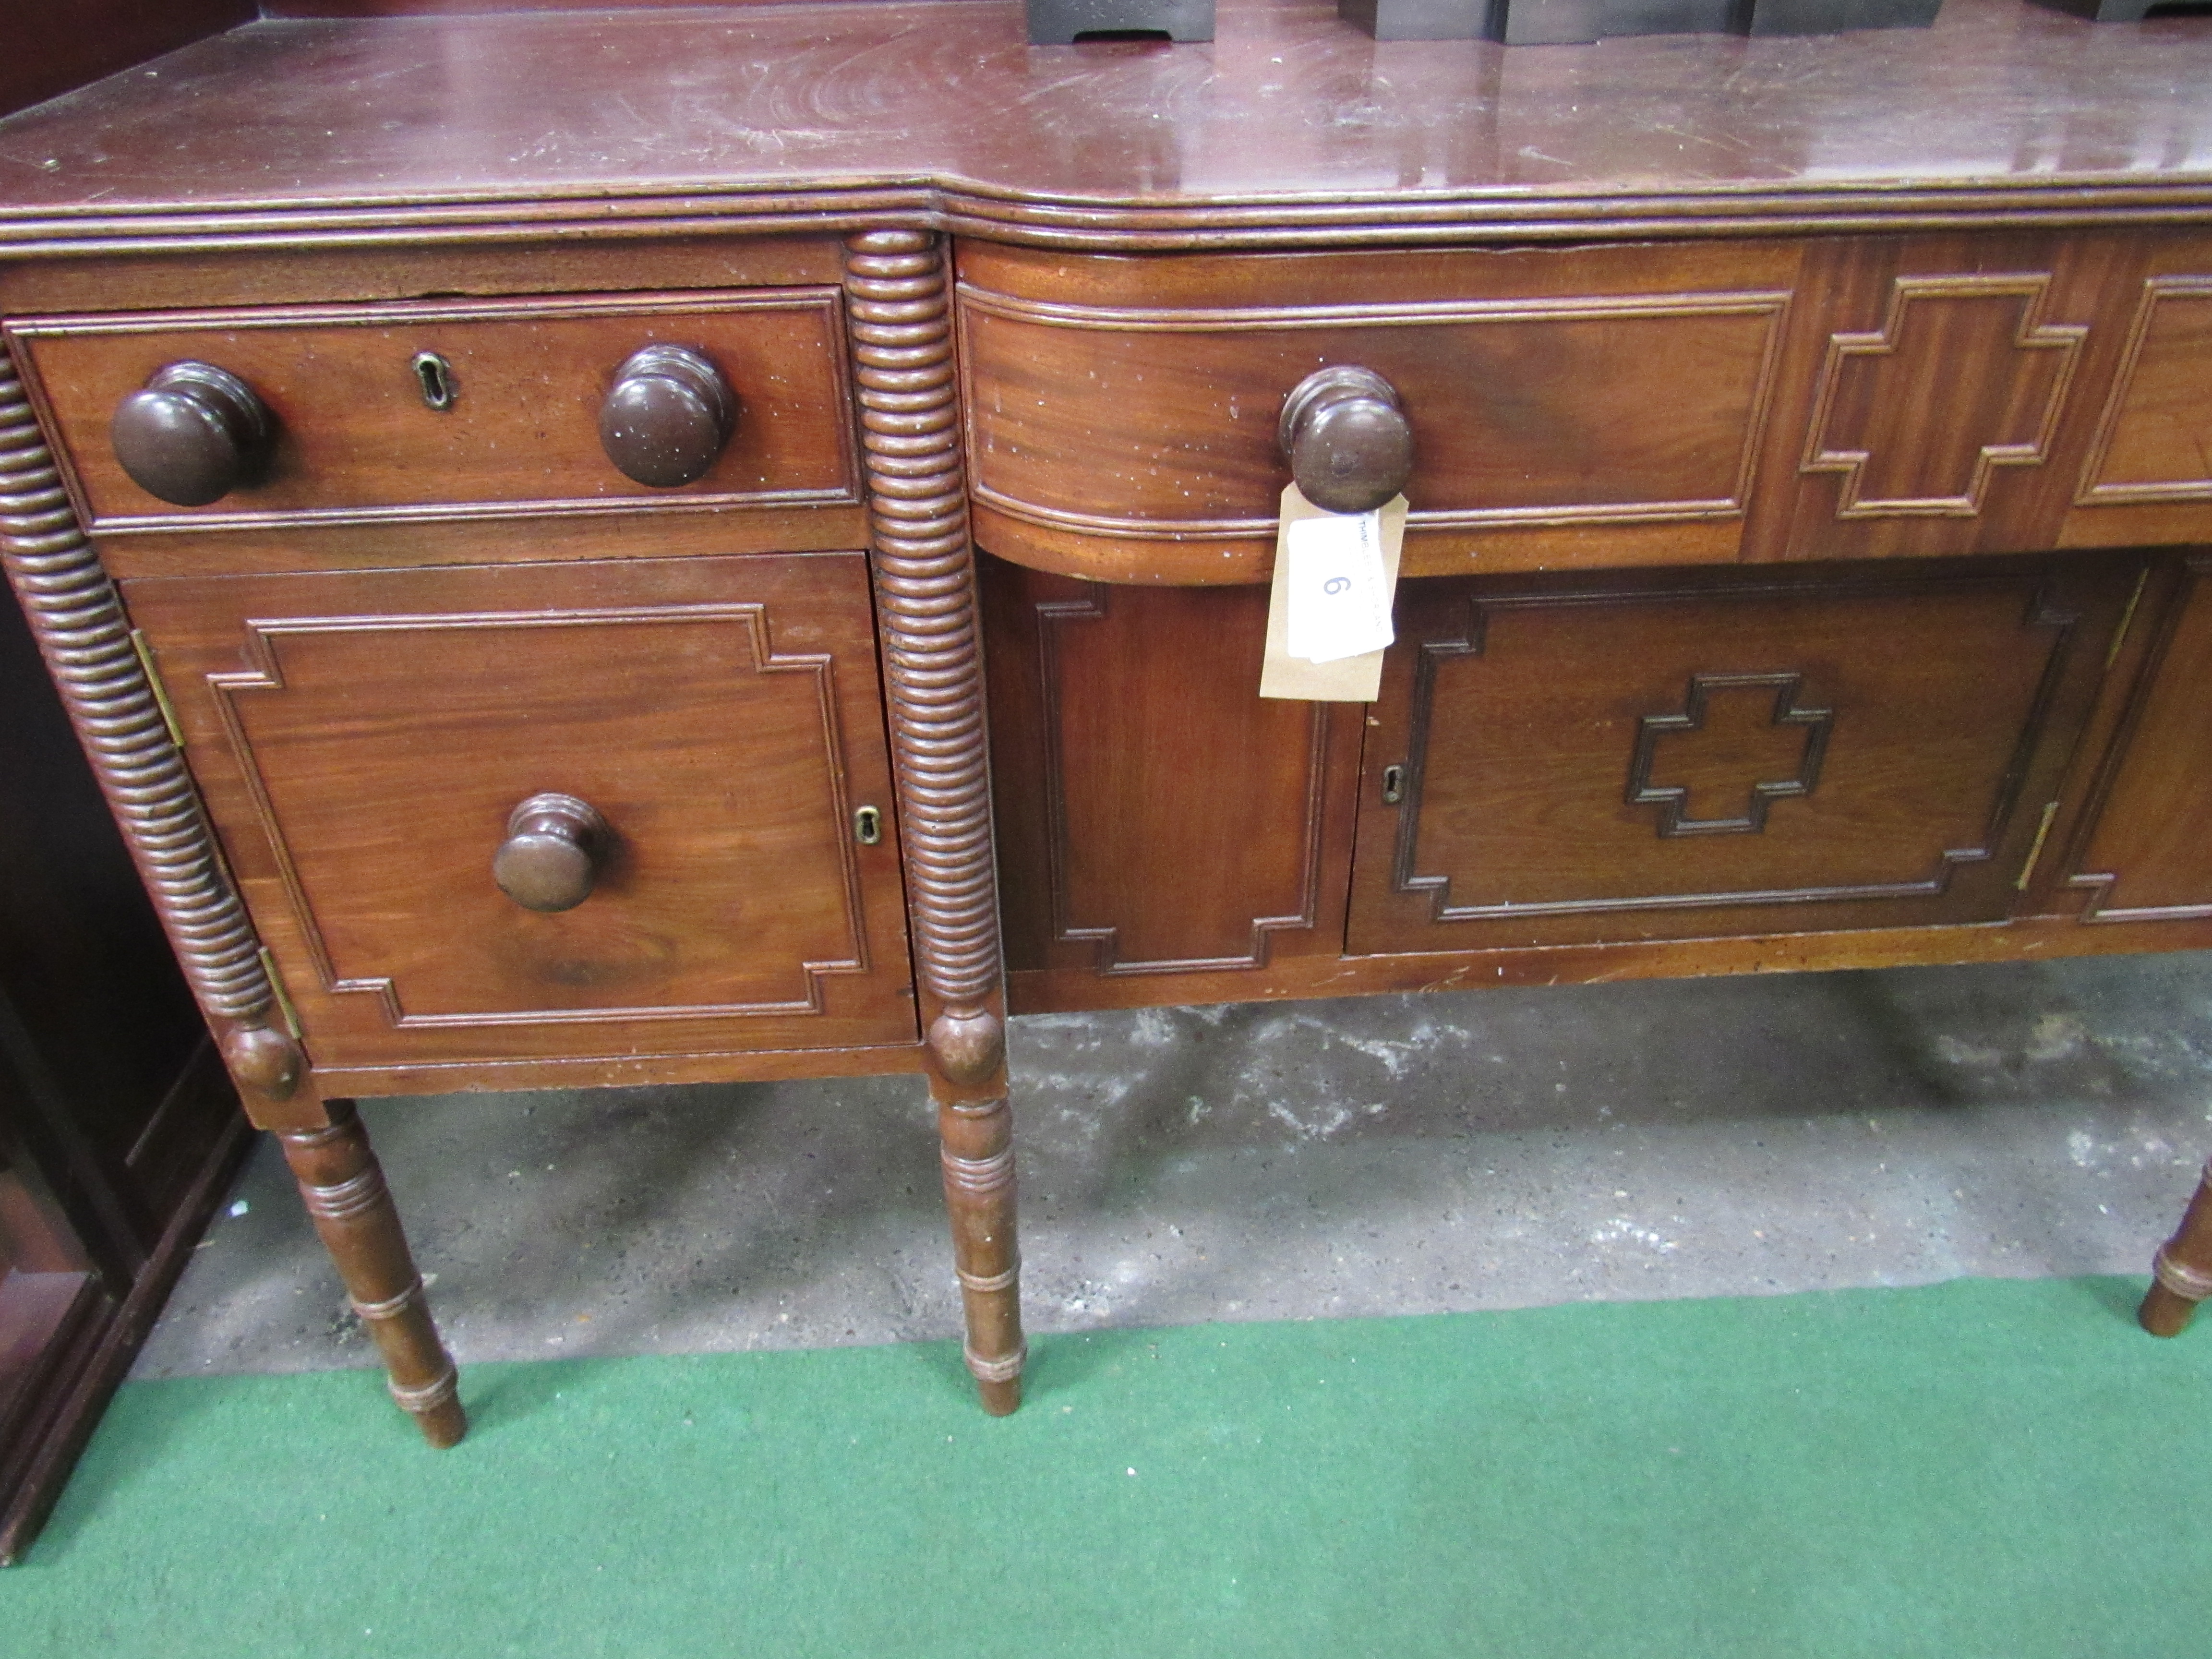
[1382,1155]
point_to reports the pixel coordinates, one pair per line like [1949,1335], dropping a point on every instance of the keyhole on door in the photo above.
[436,376]
[1394,785]
[867,826]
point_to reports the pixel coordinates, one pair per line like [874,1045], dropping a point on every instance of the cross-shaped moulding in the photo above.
[1731,725]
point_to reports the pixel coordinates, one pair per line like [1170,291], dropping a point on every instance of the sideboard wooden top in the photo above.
[1292,127]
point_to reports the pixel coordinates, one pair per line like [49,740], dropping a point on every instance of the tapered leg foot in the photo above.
[2163,1313]
[979,1197]
[2181,1272]
[344,1191]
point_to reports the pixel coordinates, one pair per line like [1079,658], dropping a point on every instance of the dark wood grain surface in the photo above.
[1604,405]
[2146,859]
[1950,300]
[47,47]
[90,650]
[1291,126]
[363,738]
[353,440]
[1593,404]
[1684,756]
[1155,817]
[898,289]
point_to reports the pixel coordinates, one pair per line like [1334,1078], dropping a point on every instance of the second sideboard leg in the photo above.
[896,288]
[343,1186]
[979,1197]
[2182,1270]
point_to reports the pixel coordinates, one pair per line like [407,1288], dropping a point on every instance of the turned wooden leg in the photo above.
[979,1197]
[344,1191]
[2182,1271]
[897,289]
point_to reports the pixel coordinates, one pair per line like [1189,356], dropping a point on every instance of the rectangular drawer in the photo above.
[355,440]
[1615,759]
[1589,405]
[363,738]
[1841,397]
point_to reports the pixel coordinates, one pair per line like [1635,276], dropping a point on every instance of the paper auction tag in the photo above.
[1328,612]
[1340,600]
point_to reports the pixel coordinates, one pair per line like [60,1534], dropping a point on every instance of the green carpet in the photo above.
[1983,1467]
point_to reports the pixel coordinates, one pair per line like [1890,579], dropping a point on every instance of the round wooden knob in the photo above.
[193,435]
[1346,439]
[552,852]
[668,416]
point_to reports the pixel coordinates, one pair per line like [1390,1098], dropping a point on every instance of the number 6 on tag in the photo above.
[1328,614]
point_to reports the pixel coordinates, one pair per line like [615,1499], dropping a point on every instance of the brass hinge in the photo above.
[2127,618]
[2035,851]
[283,997]
[161,691]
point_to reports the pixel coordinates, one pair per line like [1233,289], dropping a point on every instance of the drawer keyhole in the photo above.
[867,826]
[1394,785]
[436,376]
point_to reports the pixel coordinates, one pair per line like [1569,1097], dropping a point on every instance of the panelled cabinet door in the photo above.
[1154,816]
[579,810]
[2149,857]
[1569,762]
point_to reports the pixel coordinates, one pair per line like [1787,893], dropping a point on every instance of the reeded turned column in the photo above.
[897,290]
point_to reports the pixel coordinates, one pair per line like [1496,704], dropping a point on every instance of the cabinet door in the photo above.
[1155,815]
[363,739]
[2148,858]
[1580,761]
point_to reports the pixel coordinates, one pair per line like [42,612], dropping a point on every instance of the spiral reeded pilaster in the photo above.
[900,319]
[79,622]
[925,587]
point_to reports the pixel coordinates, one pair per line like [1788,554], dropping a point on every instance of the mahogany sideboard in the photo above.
[524,509]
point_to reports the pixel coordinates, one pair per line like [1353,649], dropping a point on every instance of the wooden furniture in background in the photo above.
[545,491]
[118,1131]
[54,48]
